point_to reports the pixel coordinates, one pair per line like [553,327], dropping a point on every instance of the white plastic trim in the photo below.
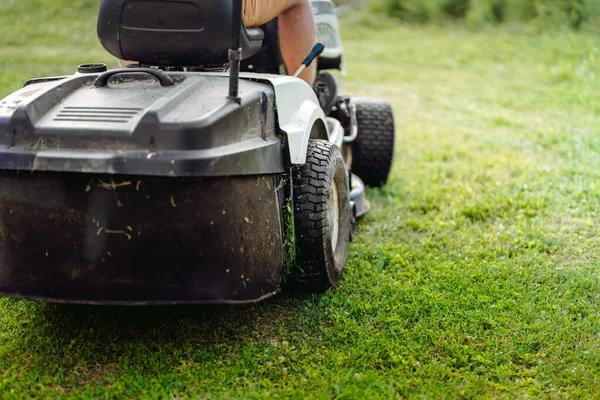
[297,110]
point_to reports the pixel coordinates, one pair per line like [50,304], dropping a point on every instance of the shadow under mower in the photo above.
[176,181]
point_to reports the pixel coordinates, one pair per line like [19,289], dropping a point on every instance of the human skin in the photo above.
[297,33]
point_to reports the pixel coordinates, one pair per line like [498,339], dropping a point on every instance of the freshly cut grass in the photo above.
[475,275]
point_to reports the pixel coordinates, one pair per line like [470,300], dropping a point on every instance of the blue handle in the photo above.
[314,53]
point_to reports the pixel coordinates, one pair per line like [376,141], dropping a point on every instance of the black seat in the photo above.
[182,33]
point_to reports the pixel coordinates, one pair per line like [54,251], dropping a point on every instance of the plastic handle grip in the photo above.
[314,53]
[164,79]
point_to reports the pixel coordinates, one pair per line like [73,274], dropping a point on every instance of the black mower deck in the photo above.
[122,239]
[141,193]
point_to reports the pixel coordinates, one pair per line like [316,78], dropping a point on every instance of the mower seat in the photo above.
[182,33]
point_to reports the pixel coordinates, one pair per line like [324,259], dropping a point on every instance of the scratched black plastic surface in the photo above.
[111,239]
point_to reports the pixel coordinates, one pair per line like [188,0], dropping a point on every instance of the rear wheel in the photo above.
[322,222]
[373,149]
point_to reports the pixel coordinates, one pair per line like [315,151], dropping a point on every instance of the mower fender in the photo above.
[298,112]
[299,131]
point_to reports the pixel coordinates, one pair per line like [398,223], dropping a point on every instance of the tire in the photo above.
[321,239]
[373,149]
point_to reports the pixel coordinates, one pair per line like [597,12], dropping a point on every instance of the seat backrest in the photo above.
[172,32]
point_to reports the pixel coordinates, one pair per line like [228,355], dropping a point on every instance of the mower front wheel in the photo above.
[322,220]
[373,149]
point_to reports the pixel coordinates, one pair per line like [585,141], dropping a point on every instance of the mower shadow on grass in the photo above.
[67,337]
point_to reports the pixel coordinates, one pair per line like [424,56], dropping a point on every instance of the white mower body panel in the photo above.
[297,110]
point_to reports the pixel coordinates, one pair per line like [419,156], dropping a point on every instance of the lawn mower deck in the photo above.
[136,191]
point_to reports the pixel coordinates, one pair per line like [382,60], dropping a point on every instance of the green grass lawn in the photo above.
[474,276]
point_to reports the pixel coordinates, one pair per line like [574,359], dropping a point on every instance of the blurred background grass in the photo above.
[542,14]
[575,14]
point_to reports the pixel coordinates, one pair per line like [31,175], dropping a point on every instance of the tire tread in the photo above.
[373,149]
[311,181]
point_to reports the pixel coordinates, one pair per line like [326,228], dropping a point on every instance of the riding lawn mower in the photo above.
[206,173]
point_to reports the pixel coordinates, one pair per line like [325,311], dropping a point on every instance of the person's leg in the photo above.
[297,30]
[297,36]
